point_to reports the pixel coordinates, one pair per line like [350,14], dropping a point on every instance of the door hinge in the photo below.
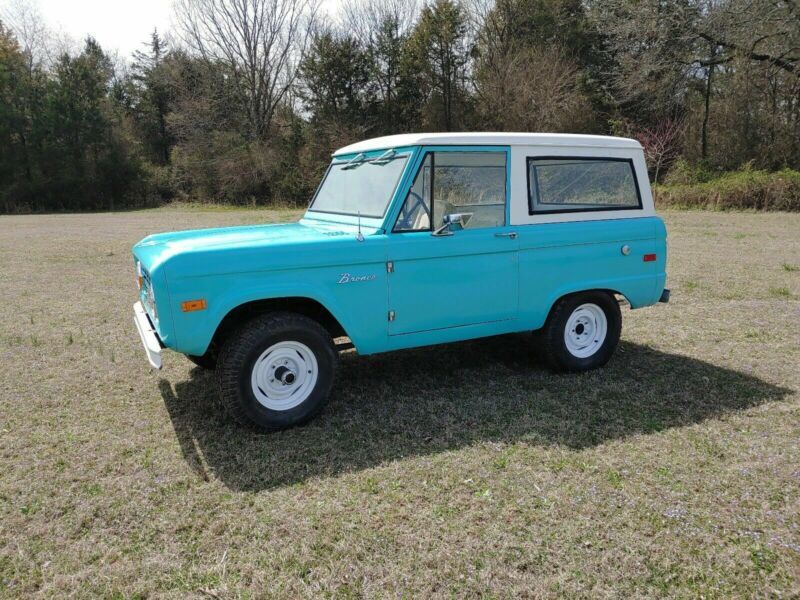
[390,267]
[391,315]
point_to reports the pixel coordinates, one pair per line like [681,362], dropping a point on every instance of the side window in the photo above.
[456,182]
[470,182]
[580,184]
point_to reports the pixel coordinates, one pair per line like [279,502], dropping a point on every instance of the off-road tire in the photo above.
[206,361]
[551,338]
[242,349]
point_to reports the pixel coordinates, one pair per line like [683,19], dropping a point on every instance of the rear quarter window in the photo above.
[564,184]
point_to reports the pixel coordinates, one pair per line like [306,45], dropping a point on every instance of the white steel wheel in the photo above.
[586,330]
[284,375]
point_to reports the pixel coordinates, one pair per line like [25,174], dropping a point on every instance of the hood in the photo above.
[156,249]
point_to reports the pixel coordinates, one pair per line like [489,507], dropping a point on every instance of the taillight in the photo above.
[649,258]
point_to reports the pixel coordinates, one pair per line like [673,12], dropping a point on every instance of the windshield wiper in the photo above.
[359,159]
[354,162]
[383,158]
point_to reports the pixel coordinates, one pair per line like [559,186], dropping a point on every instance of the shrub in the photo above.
[682,172]
[741,190]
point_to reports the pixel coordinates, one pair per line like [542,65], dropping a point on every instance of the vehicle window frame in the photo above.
[408,191]
[404,155]
[472,150]
[582,208]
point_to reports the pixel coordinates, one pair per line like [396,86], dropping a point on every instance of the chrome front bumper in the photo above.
[152,346]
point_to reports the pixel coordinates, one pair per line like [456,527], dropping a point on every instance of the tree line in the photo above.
[244,102]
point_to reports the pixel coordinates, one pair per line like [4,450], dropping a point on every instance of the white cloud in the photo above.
[121,25]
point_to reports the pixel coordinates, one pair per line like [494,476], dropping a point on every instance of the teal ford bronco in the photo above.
[411,240]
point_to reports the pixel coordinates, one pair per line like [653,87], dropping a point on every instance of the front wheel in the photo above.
[204,361]
[582,332]
[276,371]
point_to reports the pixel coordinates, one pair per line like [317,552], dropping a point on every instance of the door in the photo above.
[458,275]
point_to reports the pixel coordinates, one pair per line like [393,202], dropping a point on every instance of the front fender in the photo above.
[359,307]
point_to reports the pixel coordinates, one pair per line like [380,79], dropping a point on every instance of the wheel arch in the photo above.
[611,292]
[303,305]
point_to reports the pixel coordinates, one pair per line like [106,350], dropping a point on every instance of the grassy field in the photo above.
[463,470]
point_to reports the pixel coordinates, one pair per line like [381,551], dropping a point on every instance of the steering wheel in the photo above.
[409,211]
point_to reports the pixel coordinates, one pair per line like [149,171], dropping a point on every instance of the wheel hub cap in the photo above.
[586,330]
[284,375]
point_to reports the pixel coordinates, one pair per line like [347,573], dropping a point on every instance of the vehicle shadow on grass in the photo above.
[425,401]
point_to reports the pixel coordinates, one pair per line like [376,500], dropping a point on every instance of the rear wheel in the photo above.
[582,332]
[276,371]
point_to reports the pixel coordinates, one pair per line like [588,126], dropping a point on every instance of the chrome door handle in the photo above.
[509,234]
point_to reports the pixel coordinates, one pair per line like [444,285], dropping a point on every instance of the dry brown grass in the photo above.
[464,470]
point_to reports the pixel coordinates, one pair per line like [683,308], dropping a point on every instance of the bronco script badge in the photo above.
[347,278]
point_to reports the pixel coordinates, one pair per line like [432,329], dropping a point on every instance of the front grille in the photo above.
[147,296]
[146,283]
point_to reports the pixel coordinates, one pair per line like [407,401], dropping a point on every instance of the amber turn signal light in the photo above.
[191,305]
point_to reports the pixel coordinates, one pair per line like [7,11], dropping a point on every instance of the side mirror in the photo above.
[452,222]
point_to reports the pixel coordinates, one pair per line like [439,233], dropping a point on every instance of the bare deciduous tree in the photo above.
[664,51]
[41,46]
[365,18]
[535,90]
[260,42]
[662,144]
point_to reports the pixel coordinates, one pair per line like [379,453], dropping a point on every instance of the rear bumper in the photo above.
[664,296]
[147,333]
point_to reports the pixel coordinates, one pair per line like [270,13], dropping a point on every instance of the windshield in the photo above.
[359,186]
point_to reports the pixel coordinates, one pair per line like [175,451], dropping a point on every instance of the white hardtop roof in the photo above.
[490,139]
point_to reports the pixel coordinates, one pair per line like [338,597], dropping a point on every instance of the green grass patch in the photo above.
[763,559]
[691,285]
[780,292]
